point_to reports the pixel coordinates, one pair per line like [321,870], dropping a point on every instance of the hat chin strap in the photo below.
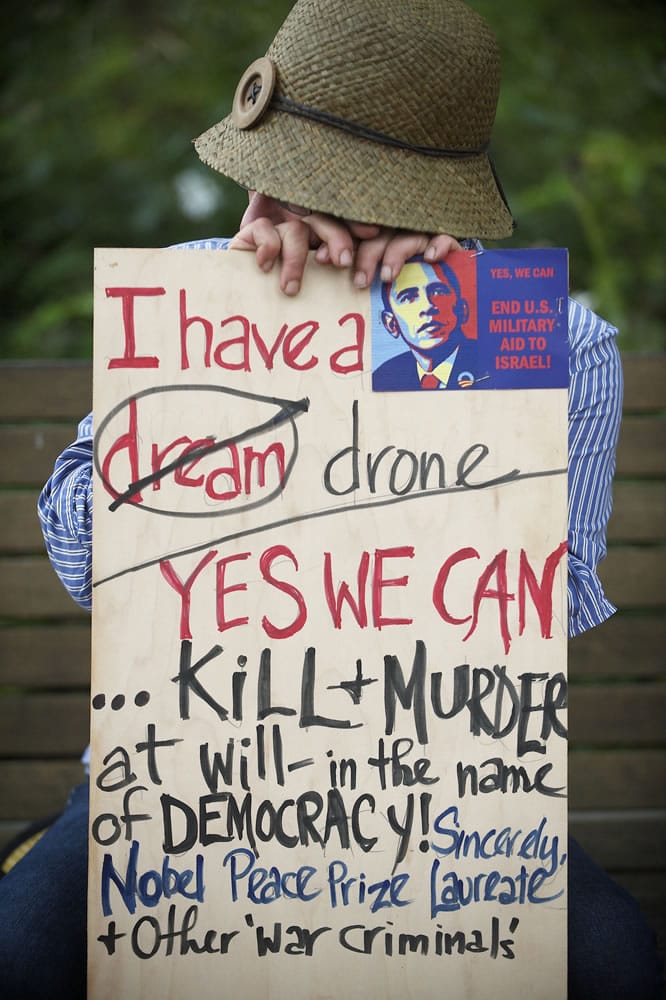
[278,103]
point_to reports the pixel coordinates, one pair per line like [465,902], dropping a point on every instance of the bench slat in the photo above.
[644,381]
[31,449]
[622,841]
[642,445]
[638,512]
[43,725]
[35,591]
[613,715]
[624,646]
[64,389]
[59,655]
[18,516]
[634,576]
[617,779]
[29,789]
[29,452]
[47,656]
[638,516]
[45,390]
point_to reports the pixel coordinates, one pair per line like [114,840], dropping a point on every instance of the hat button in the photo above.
[253,93]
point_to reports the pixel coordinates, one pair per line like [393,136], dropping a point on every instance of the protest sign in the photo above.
[329,630]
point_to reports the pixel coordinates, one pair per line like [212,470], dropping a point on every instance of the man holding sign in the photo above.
[361,136]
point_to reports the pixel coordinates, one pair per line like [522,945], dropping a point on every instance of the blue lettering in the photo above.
[151,885]
[450,892]
[265,885]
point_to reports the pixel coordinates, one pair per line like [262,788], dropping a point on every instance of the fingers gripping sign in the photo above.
[276,231]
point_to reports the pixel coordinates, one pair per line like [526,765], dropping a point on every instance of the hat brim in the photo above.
[326,169]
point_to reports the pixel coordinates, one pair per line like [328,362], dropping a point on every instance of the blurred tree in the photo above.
[580,139]
[102,102]
[103,97]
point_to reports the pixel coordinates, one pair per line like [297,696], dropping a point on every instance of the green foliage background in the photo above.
[102,99]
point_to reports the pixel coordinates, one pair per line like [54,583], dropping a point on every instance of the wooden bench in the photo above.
[617,672]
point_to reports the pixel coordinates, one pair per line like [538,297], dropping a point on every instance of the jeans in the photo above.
[612,951]
[43,912]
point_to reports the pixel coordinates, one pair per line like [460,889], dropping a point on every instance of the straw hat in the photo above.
[374,110]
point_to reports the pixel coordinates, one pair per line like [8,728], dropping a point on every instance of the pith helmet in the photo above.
[374,110]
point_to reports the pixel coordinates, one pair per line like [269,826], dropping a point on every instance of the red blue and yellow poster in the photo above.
[478,320]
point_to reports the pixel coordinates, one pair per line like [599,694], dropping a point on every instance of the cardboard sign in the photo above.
[329,685]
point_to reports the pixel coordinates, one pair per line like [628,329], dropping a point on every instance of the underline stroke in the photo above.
[326,512]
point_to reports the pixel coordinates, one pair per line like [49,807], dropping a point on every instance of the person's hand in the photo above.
[274,231]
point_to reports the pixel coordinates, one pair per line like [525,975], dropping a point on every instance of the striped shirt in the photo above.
[595,405]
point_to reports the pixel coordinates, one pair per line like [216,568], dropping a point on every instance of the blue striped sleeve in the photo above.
[212,243]
[65,514]
[595,409]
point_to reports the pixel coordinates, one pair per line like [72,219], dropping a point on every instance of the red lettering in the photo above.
[185,323]
[258,459]
[231,472]
[268,355]
[335,599]
[541,593]
[379,583]
[496,567]
[243,341]
[296,342]
[253,465]
[266,566]
[182,472]
[442,580]
[157,458]
[234,353]
[499,307]
[184,589]
[355,348]
[222,590]
[128,441]
[130,358]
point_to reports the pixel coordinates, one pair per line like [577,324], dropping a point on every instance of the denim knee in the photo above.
[612,950]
